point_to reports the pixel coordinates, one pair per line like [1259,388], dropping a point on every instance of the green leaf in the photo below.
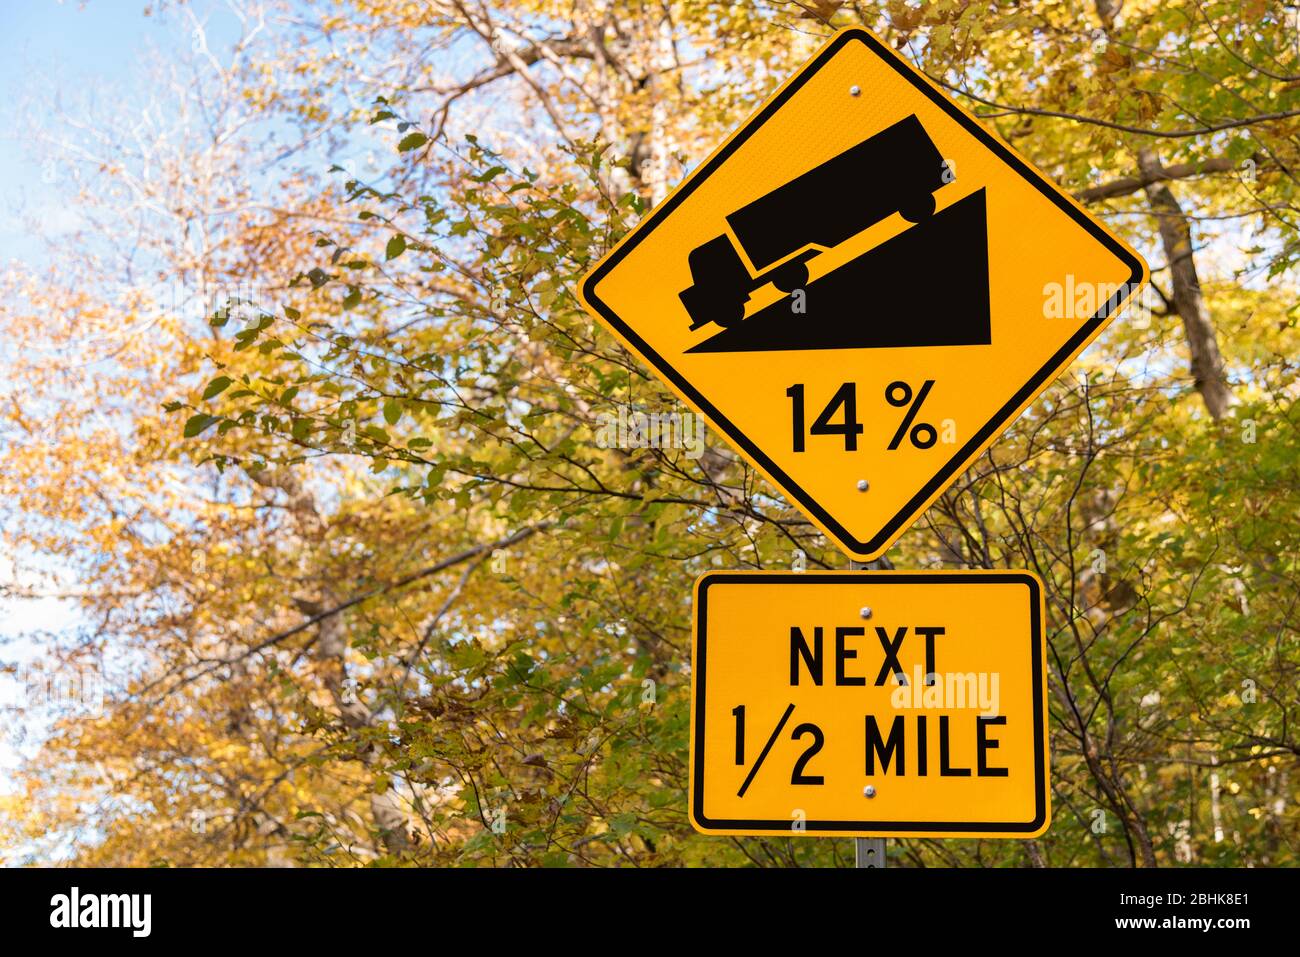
[411,141]
[392,411]
[353,297]
[489,174]
[396,246]
[197,424]
[217,386]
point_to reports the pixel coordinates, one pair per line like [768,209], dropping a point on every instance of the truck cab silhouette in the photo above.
[895,171]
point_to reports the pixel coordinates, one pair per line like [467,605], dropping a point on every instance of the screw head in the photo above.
[865,612]
[855,91]
[863,485]
[869,790]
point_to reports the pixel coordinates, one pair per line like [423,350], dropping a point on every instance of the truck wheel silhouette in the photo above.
[705,305]
[918,209]
[791,276]
[729,314]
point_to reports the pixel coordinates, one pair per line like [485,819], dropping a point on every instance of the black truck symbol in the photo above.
[895,171]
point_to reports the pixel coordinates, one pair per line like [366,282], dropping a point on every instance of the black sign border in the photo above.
[857,579]
[1001,419]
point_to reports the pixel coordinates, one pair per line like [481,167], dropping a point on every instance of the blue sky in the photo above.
[90,58]
[51,50]
[47,47]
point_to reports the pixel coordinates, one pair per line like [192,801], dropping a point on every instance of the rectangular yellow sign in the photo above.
[869,704]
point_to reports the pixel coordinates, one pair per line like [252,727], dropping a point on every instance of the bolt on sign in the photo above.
[861,288]
[869,704]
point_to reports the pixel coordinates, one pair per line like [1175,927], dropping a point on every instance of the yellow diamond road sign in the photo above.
[861,288]
[869,704]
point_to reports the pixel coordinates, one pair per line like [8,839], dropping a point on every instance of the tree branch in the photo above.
[1128,185]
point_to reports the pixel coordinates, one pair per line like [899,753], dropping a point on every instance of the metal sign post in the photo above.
[870,851]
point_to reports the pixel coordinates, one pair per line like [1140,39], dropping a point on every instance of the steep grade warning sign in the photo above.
[854,289]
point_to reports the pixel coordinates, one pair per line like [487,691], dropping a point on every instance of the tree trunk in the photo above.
[331,651]
[1176,237]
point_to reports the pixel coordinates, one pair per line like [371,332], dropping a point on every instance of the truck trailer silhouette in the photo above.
[895,171]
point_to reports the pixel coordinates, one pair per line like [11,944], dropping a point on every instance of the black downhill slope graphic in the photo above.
[928,286]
